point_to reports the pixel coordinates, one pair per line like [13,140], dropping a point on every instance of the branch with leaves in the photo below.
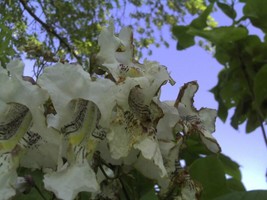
[50,30]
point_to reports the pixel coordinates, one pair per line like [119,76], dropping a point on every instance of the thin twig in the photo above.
[49,29]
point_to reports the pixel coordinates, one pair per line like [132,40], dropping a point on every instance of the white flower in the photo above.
[152,165]
[201,121]
[70,180]
[24,104]
[8,173]
[67,82]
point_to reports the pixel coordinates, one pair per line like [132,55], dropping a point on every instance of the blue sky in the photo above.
[197,64]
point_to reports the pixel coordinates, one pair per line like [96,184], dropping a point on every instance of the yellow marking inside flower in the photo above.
[134,72]
[17,124]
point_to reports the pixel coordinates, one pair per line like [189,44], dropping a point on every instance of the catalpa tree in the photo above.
[106,134]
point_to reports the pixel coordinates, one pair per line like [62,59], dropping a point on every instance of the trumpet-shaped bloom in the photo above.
[82,130]
[67,82]
[70,180]
[201,121]
[8,173]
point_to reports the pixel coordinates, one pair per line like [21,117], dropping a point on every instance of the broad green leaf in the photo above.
[194,150]
[151,195]
[235,185]
[260,83]
[227,9]
[250,195]
[137,186]
[256,11]
[230,167]
[37,177]
[222,35]
[201,21]
[210,173]
[84,195]
[241,111]
[185,39]
[253,121]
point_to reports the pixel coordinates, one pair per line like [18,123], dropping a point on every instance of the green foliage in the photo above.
[257,194]
[211,172]
[241,83]
[37,177]
[67,30]
[137,186]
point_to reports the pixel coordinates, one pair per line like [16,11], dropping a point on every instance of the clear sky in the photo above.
[195,63]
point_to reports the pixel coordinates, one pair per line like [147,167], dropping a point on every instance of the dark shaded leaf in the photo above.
[37,177]
[260,85]
[235,185]
[185,39]
[253,121]
[255,10]
[223,35]
[227,9]
[150,195]
[230,167]
[201,21]
[210,173]
[250,195]
[136,185]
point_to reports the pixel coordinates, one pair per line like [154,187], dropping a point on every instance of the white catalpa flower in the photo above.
[201,121]
[68,181]
[66,82]
[23,107]
[8,173]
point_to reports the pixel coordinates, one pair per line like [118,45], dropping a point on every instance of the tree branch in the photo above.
[49,29]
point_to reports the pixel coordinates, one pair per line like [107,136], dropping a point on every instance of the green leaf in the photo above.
[235,185]
[136,185]
[250,195]
[260,83]
[37,177]
[210,173]
[241,111]
[194,150]
[201,21]
[228,10]
[185,39]
[151,195]
[230,167]
[255,10]
[84,195]
[253,121]
[223,35]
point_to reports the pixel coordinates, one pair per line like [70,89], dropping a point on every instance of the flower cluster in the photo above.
[83,130]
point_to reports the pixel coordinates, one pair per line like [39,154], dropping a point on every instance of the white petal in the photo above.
[208,118]
[15,89]
[108,45]
[150,150]
[210,142]
[119,142]
[168,122]
[126,38]
[15,67]
[67,82]
[68,182]
[8,176]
